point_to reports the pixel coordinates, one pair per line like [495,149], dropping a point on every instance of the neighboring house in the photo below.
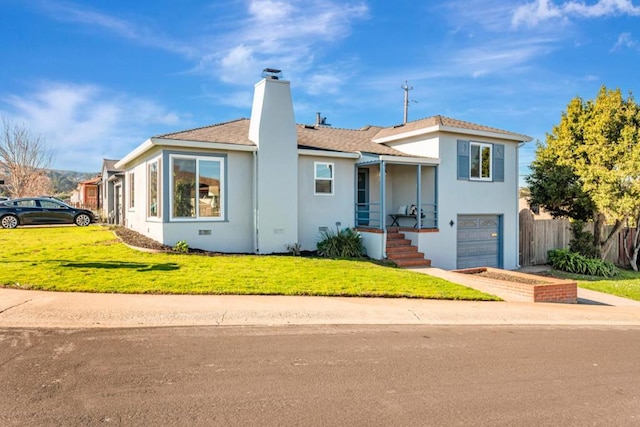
[86,194]
[257,185]
[110,192]
[537,211]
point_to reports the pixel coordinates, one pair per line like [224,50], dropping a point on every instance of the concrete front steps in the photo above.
[402,252]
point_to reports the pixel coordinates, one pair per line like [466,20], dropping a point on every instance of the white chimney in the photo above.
[273,129]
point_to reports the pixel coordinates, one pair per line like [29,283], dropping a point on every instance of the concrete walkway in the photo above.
[585,296]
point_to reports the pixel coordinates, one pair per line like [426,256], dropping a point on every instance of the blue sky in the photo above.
[96,78]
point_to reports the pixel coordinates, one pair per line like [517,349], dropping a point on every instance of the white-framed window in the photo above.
[480,161]
[153,190]
[197,187]
[323,177]
[132,190]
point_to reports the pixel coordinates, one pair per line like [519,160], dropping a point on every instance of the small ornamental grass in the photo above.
[346,243]
[572,262]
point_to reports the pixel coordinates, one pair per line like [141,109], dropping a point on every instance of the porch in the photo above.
[396,198]
[399,193]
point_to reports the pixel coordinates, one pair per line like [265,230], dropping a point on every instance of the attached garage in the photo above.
[478,241]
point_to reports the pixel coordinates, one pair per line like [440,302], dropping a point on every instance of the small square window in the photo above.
[323,178]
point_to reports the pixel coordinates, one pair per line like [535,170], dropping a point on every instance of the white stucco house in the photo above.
[257,185]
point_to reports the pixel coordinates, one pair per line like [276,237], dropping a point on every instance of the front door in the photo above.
[363,197]
[117,210]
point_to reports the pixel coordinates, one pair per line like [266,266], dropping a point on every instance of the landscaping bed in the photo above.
[537,288]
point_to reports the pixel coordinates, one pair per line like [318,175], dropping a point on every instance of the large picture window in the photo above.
[153,179]
[197,187]
[480,161]
[323,178]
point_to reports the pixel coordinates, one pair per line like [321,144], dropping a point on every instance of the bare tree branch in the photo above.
[25,157]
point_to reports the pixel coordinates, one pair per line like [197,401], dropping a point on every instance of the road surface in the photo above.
[371,375]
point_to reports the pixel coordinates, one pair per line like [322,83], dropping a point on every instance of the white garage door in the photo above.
[479,241]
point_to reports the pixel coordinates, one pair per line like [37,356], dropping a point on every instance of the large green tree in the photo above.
[590,164]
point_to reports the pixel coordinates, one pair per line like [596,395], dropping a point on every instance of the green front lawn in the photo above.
[92,259]
[626,285]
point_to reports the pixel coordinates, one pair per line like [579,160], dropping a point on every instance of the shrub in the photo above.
[181,246]
[572,262]
[294,249]
[582,240]
[346,243]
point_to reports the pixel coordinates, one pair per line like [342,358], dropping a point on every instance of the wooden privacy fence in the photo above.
[539,236]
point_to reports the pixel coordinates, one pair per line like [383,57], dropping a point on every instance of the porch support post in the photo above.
[355,197]
[418,196]
[383,185]
[383,209]
[437,201]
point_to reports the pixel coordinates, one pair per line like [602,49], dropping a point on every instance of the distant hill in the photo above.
[64,182]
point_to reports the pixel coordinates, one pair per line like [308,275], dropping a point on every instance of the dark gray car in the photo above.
[39,210]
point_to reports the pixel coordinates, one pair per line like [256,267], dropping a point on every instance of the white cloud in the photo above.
[285,35]
[531,14]
[85,123]
[625,40]
[270,33]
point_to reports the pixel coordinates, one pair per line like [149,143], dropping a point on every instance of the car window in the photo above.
[50,204]
[26,203]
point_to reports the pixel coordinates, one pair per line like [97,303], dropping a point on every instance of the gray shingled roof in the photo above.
[441,121]
[232,132]
[327,138]
[111,165]
[343,140]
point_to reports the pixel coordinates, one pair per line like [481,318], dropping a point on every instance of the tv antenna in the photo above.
[406,88]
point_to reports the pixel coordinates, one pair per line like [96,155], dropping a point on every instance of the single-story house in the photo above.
[86,194]
[110,191]
[257,185]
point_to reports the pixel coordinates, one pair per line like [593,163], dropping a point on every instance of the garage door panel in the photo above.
[478,241]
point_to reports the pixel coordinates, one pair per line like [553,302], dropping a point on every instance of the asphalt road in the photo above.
[322,375]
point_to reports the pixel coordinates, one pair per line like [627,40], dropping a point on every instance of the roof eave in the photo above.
[450,129]
[183,143]
[403,135]
[180,143]
[410,160]
[327,153]
[138,151]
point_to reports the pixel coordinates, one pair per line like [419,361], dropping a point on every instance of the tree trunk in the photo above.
[635,244]
[598,223]
[608,242]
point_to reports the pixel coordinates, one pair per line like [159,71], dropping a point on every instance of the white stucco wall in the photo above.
[461,197]
[419,146]
[323,210]
[233,235]
[136,216]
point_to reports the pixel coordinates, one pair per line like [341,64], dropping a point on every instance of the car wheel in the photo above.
[83,220]
[9,221]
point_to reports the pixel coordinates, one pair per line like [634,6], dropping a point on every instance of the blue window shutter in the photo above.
[463,159]
[498,162]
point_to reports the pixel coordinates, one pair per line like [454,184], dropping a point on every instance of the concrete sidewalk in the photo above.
[38,309]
